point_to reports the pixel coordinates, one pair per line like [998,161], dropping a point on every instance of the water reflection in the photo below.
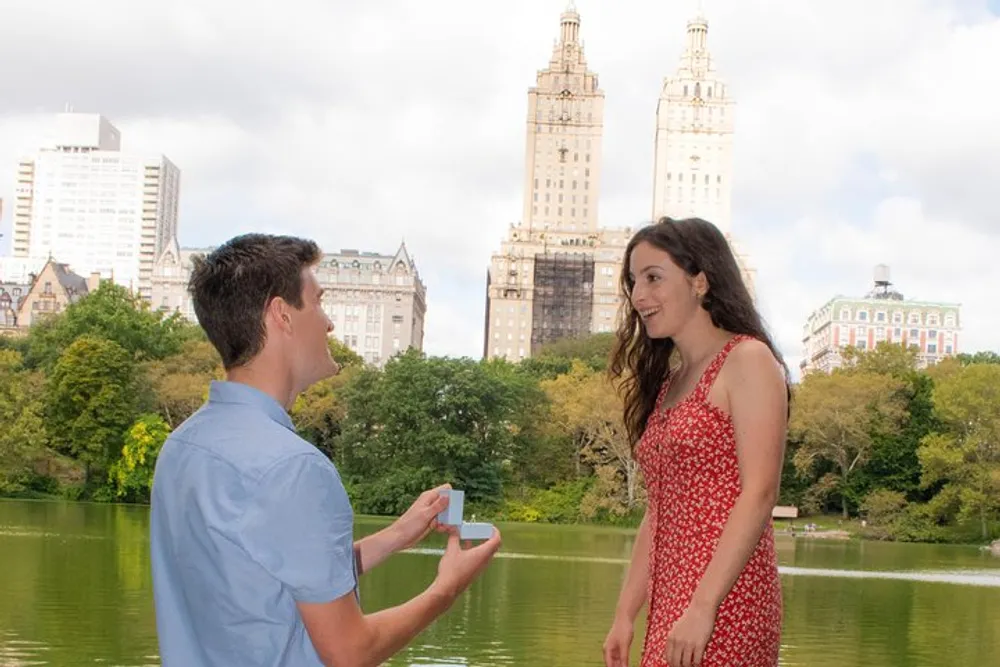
[76,590]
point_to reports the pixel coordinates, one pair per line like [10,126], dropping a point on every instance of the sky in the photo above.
[866,130]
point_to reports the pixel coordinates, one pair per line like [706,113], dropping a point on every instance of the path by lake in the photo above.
[75,590]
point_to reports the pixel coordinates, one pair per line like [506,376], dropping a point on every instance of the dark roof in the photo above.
[75,286]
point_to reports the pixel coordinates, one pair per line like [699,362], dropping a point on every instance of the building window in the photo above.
[949,320]
[948,349]
[845,314]
[880,316]
[931,348]
[914,334]
[862,315]
[932,334]
[914,318]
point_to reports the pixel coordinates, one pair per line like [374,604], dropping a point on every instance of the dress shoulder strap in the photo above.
[712,372]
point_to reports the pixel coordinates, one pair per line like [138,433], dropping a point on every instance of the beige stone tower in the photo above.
[693,163]
[556,274]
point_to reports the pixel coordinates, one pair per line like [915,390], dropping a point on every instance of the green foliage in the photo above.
[90,401]
[983,357]
[88,397]
[423,422]
[556,358]
[965,455]
[23,437]
[113,313]
[558,504]
[132,474]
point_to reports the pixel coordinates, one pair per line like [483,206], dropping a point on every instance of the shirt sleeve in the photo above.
[299,527]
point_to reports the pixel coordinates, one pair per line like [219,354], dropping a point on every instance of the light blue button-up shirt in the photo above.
[247,519]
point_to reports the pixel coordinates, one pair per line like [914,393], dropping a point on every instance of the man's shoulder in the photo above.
[245,440]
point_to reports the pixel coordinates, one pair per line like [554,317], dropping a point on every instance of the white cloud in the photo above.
[866,130]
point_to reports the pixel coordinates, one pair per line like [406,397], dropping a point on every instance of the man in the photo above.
[252,532]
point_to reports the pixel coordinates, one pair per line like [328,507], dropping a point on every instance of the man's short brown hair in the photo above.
[232,286]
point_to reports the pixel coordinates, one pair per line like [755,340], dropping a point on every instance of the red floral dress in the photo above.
[688,459]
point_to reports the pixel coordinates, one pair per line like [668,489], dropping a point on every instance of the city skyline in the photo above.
[370,127]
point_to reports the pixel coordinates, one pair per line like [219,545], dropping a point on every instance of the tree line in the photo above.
[88,397]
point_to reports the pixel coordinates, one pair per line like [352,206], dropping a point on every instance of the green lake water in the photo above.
[75,590]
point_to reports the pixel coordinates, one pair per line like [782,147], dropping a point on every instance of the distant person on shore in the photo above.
[253,554]
[706,406]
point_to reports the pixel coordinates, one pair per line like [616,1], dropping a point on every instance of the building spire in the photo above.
[570,21]
[697,33]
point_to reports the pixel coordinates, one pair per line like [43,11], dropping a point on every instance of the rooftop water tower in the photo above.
[883,285]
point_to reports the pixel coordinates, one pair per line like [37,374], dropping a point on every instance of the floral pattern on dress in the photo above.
[688,458]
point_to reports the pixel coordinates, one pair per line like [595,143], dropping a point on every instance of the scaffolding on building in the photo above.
[563,297]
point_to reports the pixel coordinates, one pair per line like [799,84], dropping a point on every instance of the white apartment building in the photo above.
[84,201]
[881,316]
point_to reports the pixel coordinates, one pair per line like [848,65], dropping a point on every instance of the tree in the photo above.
[90,402]
[132,474]
[556,358]
[893,462]
[342,354]
[836,418]
[424,421]
[982,357]
[23,437]
[890,359]
[586,406]
[113,313]
[966,454]
[179,383]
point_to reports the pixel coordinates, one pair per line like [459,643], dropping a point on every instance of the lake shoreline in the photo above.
[781,527]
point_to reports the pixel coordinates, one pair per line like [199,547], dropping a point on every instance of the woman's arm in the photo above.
[633,593]
[758,405]
[618,643]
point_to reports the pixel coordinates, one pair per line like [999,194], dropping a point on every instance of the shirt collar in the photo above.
[237,393]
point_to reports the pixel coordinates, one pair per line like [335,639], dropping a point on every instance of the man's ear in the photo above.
[278,312]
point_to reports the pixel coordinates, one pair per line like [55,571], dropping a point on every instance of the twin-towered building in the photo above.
[557,272]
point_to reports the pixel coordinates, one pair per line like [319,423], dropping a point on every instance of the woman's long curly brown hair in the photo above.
[640,364]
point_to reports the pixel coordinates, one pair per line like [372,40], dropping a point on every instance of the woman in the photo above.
[706,407]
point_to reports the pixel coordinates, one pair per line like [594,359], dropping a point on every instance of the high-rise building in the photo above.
[882,316]
[376,302]
[97,208]
[556,274]
[693,155]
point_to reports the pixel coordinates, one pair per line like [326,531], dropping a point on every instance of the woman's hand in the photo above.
[618,643]
[688,638]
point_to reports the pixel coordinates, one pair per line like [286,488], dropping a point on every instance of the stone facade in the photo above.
[557,272]
[693,155]
[51,291]
[376,302]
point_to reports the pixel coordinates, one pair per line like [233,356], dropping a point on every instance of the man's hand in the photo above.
[460,566]
[418,521]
